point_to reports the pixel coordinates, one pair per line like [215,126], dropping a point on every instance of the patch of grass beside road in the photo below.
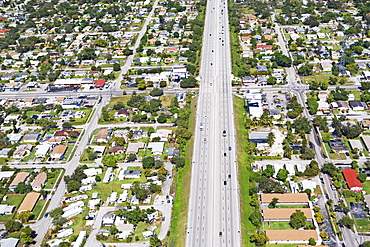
[182,181]
[244,161]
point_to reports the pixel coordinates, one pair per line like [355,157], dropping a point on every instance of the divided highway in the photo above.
[213,215]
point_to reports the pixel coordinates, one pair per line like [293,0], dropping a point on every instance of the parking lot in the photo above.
[275,101]
[358,210]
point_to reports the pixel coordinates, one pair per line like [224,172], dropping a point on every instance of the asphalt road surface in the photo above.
[213,216]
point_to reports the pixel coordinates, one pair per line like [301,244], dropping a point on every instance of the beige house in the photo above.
[39,181]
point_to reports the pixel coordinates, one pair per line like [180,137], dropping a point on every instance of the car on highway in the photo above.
[224,133]
[229,148]
[205,140]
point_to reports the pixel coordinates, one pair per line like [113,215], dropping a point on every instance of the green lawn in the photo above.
[366,186]
[15,200]
[244,163]
[276,226]
[182,190]
[319,77]
[37,210]
[283,245]
[362,225]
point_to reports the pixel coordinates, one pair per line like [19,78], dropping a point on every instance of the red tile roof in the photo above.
[351,178]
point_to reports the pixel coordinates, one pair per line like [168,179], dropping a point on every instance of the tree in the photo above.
[260,239]
[268,171]
[67,125]
[162,118]
[57,212]
[324,85]
[362,177]
[302,125]
[156,92]
[305,70]
[13,226]
[365,85]
[298,219]
[282,60]
[273,203]
[65,244]
[366,244]
[73,185]
[131,157]
[178,161]
[116,67]
[282,175]
[189,82]
[271,139]
[109,160]
[312,242]
[113,230]
[154,241]
[148,162]
[330,168]
[22,188]
[346,221]
[312,105]
[255,218]
[24,216]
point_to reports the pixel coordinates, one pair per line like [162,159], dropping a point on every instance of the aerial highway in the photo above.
[213,216]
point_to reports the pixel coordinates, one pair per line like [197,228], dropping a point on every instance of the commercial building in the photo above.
[29,202]
[352,181]
[283,214]
[285,199]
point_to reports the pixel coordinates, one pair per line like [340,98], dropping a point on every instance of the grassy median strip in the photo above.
[244,161]
[182,182]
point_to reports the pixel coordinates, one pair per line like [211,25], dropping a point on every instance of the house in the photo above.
[366,140]
[123,112]
[125,230]
[58,152]
[73,212]
[108,219]
[129,174]
[39,181]
[285,199]
[108,175]
[113,197]
[20,177]
[14,138]
[4,152]
[337,145]
[352,181]
[9,242]
[62,134]
[133,148]
[79,241]
[156,147]
[366,124]
[42,150]
[258,137]
[290,236]
[90,172]
[93,203]
[356,144]
[22,151]
[29,202]
[163,134]
[116,150]
[6,209]
[102,135]
[65,233]
[6,175]
[147,234]
[357,105]
[283,214]
[31,137]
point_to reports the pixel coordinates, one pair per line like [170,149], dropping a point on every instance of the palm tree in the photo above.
[271,139]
